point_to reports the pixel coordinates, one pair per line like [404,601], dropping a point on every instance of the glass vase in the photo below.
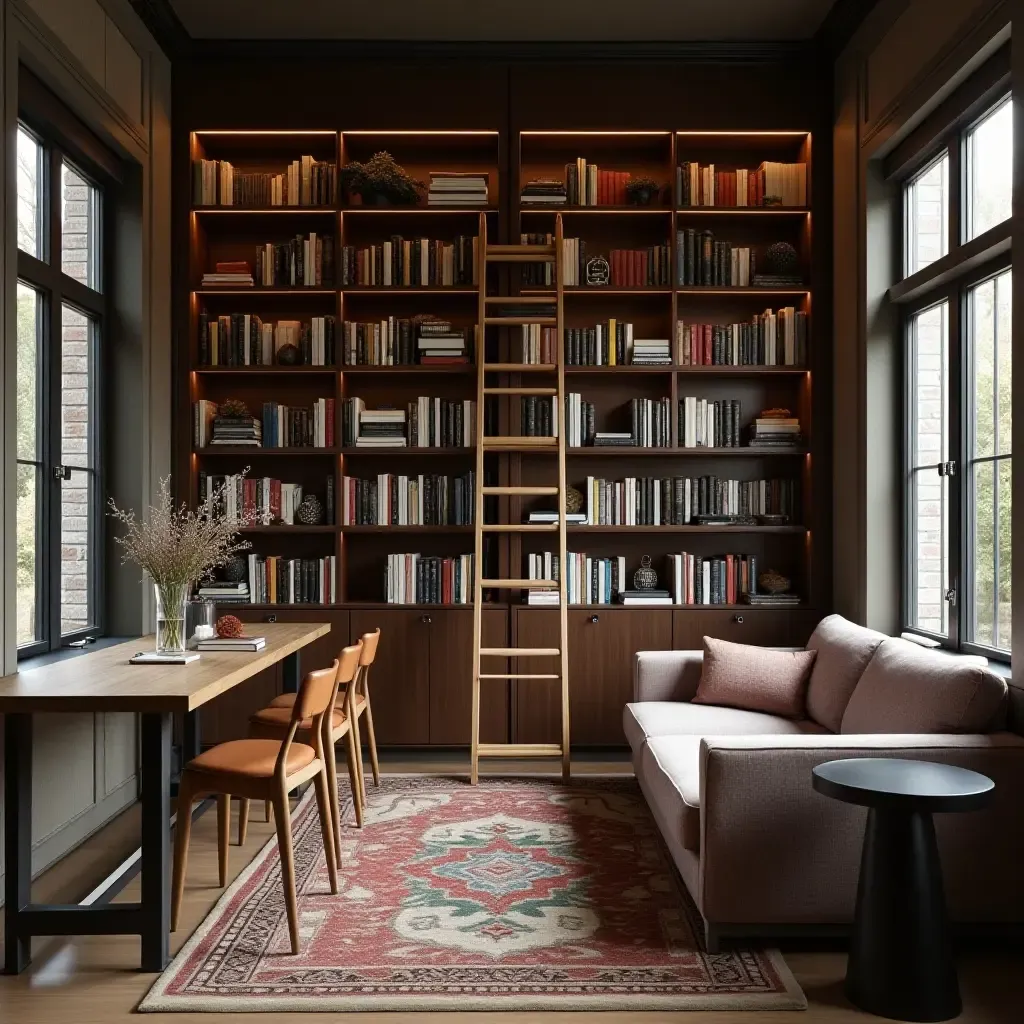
[171,602]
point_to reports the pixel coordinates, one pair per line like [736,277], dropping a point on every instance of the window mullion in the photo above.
[955,450]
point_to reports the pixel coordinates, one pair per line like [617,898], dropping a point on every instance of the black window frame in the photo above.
[64,141]
[966,264]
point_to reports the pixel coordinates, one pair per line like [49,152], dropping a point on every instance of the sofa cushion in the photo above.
[907,689]
[844,650]
[754,678]
[671,772]
[650,718]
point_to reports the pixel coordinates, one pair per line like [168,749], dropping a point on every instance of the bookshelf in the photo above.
[509,160]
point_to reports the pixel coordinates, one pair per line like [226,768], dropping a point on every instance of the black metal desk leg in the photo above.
[18,837]
[156,847]
[290,673]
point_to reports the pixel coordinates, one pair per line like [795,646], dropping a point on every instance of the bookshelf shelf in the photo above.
[255,452]
[741,371]
[266,371]
[263,211]
[406,529]
[397,211]
[744,452]
[742,211]
[417,370]
[599,292]
[298,531]
[580,528]
[618,371]
[397,292]
[591,211]
[263,292]
[408,451]
[735,290]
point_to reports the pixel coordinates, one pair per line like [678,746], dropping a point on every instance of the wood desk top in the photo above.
[105,681]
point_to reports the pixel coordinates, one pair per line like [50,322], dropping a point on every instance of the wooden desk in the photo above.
[105,681]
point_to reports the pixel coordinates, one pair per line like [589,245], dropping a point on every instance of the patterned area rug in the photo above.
[513,894]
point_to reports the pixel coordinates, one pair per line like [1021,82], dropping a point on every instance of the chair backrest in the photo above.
[349,661]
[315,693]
[369,652]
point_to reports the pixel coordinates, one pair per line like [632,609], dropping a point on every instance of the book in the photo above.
[235,643]
[403,262]
[413,578]
[708,262]
[709,424]
[302,182]
[406,500]
[152,658]
[706,185]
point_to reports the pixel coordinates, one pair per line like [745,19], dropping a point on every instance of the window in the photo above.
[956,294]
[60,316]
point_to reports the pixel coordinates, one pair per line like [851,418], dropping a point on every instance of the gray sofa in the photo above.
[763,854]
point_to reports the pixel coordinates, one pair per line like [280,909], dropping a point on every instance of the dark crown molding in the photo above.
[840,24]
[164,26]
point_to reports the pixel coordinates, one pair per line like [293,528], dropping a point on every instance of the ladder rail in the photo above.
[563,573]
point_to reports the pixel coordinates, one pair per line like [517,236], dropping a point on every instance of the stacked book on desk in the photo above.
[448,188]
[543,192]
[771,431]
[226,593]
[440,344]
[232,643]
[644,598]
[231,274]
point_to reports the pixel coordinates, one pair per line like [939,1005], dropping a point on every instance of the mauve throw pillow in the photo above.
[755,678]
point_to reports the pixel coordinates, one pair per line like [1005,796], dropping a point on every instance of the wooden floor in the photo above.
[92,980]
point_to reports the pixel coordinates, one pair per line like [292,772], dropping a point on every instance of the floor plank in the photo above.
[92,981]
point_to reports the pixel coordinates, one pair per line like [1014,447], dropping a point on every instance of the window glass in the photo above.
[926,210]
[79,227]
[30,194]
[28,513]
[990,170]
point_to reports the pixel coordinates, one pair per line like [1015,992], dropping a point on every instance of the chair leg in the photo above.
[331,759]
[243,820]
[266,811]
[372,740]
[323,806]
[282,816]
[182,831]
[359,754]
[353,776]
[223,826]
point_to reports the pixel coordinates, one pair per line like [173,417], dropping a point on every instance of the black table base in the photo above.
[901,956]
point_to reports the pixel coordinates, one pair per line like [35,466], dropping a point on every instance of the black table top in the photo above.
[903,784]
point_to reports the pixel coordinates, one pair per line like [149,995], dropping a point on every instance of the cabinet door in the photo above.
[451,669]
[227,717]
[602,644]
[687,632]
[765,627]
[400,676]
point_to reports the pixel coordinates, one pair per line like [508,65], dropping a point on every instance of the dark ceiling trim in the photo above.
[164,26]
[840,24]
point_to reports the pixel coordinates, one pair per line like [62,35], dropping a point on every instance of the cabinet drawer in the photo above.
[761,626]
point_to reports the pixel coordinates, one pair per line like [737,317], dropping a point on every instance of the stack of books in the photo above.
[589,185]
[614,439]
[543,566]
[644,598]
[706,261]
[448,188]
[410,263]
[237,430]
[772,600]
[538,416]
[232,643]
[381,428]
[551,516]
[605,344]
[244,339]
[229,274]
[651,352]
[775,431]
[441,344]
[543,192]
[441,422]
[274,501]
[226,593]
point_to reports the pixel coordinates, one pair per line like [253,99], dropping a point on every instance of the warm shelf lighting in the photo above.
[753,132]
[262,131]
[421,131]
[552,131]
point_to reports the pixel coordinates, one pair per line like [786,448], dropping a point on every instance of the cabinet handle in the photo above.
[271,618]
[738,619]
[426,618]
[595,618]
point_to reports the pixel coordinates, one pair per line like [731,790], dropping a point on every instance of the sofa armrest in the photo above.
[666,675]
[798,852]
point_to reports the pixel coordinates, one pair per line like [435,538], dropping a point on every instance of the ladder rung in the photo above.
[521,391]
[519,750]
[545,256]
[533,491]
[514,321]
[519,527]
[509,584]
[520,652]
[519,675]
[520,367]
[518,300]
[522,443]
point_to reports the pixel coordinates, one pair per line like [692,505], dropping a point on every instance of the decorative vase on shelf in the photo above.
[171,604]
[645,578]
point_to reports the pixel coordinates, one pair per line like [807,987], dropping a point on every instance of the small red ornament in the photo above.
[229,625]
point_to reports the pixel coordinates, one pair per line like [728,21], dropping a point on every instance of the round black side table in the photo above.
[901,958]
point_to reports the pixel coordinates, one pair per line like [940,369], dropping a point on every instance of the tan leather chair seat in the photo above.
[286,700]
[254,758]
[282,717]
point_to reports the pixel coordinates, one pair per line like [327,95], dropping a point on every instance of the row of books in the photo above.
[538,416]
[392,499]
[448,188]
[271,500]
[543,192]
[298,427]
[651,425]
[703,260]
[705,185]
[411,263]
[683,501]
[428,579]
[245,339]
[709,424]
[588,580]
[775,431]
[767,339]
[627,268]
[714,579]
[306,262]
[586,184]
[541,274]
[404,341]
[304,182]
[277,580]
[538,344]
[426,423]
[612,344]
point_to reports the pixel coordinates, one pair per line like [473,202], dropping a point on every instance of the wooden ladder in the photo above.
[548,445]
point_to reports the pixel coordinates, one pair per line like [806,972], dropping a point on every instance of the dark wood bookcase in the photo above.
[422,685]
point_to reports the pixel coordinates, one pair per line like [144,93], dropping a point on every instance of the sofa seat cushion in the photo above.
[650,718]
[907,689]
[671,773]
[844,650]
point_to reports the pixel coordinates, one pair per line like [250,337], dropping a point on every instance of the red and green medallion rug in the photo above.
[514,894]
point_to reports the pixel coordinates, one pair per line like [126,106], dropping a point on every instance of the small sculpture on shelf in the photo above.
[573,500]
[310,512]
[233,409]
[229,626]
[642,191]
[288,355]
[771,201]
[234,570]
[598,271]
[773,582]
[645,578]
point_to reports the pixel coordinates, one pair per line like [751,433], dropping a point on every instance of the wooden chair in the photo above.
[271,721]
[265,769]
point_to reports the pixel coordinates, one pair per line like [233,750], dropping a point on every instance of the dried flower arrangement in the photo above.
[381,180]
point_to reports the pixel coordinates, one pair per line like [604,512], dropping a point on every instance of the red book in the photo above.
[329,423]
[696,335]
[730,579]
[637,267]
[233,267]
[752,188]
[613,267]
[275,499]
[443,360]
[620,191]
[602,188]
[707,345]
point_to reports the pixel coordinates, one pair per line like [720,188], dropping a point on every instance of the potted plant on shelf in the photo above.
[176,547]
[381,181]
[642,191]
